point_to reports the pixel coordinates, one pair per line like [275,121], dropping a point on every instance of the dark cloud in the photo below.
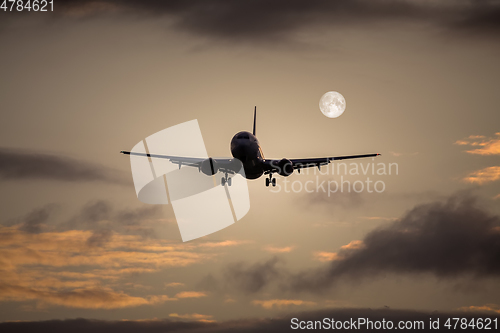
[248,278]
[98,216]
[271,20]
[252,278]
[485,19]
[94,212]
[26,165]
[34,221]
[279,324]
[104,219]
[446,239]
[99,238]
[451,239]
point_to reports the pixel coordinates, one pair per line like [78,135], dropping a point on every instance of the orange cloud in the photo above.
[59,268]
[487,146]
[485,175]
[191,294]
[174,284]
[355,244]
[193,316]
[90,298]
[331,256]
[485,308]
[222,244]
[285,249]
[326,256]
[279,303]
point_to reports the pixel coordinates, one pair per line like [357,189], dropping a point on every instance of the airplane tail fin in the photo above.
[254,120]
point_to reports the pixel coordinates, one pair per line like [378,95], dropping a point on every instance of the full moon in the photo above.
[332,104]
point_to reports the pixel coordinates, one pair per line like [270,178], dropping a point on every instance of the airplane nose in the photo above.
[240,151]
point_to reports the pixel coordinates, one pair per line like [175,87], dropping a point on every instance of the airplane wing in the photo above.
[273,166]
[228,165]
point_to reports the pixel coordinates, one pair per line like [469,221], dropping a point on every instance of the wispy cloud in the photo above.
[223,243]
[484,308]
[485,146]
[18,164]
[280,303]
[448,239]
[193,316]
[486,175]
[191,294]
[174,284]
[83,298]
[326,256]
[344,251]
[59,268]
[273,249]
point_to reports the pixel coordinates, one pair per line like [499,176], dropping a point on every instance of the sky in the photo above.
[92,78]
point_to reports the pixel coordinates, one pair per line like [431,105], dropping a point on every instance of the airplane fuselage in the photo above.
[246,148]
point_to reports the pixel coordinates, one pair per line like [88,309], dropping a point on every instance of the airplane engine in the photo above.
[209,167]
[285,167]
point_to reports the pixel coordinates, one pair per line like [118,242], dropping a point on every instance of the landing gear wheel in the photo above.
[229,182]
[274,181]
[267,181]
[223,181]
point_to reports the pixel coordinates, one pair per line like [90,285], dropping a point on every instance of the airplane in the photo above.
[246,151]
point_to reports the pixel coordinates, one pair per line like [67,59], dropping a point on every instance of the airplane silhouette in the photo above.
[246,151]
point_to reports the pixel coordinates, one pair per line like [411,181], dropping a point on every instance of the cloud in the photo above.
[487,146]
[280,303]
[273,249]
[27,165]
[174,284]
[344,250]
[275,325]
[88,298]
[59,268]
[448,239]
[35,221]
[486,175]
[279,20]
[193,316]
[222,244]
[99,237]
[191,294]
[252,278]
[326,256]
[101,217]
[484,308]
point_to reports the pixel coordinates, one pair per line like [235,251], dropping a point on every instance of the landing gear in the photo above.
[270,180]
[225,180]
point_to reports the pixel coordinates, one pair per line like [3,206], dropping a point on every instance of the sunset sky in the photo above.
[421,81]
